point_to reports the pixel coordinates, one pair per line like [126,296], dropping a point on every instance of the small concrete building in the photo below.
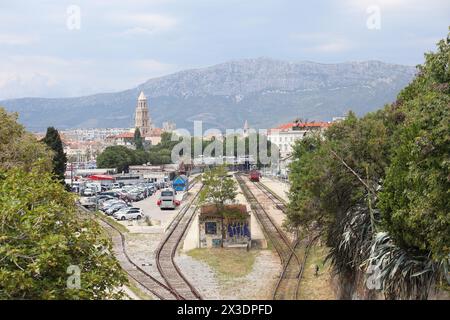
[154,173]
[236,226]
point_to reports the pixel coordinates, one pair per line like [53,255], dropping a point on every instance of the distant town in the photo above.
[82,146]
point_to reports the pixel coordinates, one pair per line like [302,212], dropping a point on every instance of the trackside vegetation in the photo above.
[378,189]
[48,249]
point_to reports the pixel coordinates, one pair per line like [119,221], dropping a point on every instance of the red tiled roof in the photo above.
[100,177]
[210,209]
[155,132]
[125,135]
[290,125]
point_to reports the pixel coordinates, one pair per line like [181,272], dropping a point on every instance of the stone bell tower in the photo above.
[142,118]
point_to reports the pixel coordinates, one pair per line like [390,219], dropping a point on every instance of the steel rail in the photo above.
[156,287]
[165,254]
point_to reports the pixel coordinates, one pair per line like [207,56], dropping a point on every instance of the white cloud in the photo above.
[34,75]
[142,23]
[50,76]
[153,66]
[321,42]
[333,46]
[15,39]
[403,5]
[136,31]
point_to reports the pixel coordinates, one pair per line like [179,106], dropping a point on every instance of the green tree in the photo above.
[415,198]
[119,157]
[53,141]
[218,189]
[378,186]
[138,143]
[19,148]
[44,241]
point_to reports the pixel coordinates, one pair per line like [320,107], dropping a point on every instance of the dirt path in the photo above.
[213,284]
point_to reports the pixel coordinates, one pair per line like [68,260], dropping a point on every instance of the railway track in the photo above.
[134,271]
[164,291]
[281,204]
[287,285]
[165,253]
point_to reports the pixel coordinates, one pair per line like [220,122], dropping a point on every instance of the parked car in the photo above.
[129,214]
[109,193]
[88,192]
[102,198]
[109,203]
[115,207]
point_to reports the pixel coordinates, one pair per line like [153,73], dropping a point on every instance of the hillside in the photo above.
[263,91]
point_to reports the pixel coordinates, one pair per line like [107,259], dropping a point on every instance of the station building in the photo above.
[236,230]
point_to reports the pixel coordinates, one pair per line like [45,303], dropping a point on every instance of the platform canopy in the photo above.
[100,177]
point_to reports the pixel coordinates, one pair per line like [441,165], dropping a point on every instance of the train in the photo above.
[255,175]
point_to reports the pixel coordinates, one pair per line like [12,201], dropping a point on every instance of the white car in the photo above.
[88,192]
[129,214]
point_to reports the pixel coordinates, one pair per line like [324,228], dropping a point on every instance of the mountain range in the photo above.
[265,92]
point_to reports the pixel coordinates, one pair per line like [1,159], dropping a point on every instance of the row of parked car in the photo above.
[119,209]
[135,192]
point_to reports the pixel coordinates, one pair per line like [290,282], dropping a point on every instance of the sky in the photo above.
[52,48]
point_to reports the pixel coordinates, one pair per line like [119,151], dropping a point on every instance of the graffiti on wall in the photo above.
[238,231]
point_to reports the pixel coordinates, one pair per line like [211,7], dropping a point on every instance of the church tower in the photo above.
[246,129]
[142,118]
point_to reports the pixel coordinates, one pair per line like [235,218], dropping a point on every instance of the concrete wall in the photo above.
[191,241]
[210,240]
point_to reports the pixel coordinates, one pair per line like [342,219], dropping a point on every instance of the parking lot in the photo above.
[152,210]
[141,211]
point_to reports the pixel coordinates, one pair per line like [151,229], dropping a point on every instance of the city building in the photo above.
[123,139]
[150,134]
[285,135]
[142,119]
[169,126]
[155,173]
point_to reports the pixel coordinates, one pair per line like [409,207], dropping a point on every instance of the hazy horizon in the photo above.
[55,49]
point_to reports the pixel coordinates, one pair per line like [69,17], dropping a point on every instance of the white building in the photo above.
[284,136]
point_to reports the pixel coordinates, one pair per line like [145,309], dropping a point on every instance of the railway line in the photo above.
[167,249]
[134,271]
[280,204]
[287,285]
[175,286]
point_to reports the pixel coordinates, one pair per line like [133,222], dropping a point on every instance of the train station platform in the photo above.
[192,238]
[279,188]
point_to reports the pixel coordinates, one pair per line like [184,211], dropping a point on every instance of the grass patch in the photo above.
[112,221]
[138,292]
[317,287]
[148,221]
[228,263]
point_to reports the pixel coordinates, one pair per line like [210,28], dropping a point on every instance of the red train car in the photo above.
[255,175]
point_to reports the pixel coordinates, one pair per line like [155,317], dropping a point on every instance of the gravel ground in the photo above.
[141,248]
[212,286]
